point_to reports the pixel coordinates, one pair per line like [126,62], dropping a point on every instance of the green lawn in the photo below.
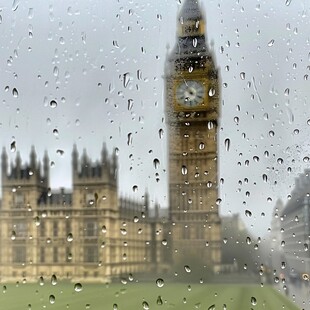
[142,296]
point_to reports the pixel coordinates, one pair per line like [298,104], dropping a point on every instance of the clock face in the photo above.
[190,93]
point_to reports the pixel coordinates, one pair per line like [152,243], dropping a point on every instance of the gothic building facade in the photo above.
[88,233]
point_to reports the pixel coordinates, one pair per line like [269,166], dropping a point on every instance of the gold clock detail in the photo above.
[190,93]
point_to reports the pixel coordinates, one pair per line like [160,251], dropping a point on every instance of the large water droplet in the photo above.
[78,287]
[184,170]
[52,299]
[145,305]
[160,282]
[156,163]
[15,92]
[248,213]
[70,237]
[54,279]
[53,104]
[253,301]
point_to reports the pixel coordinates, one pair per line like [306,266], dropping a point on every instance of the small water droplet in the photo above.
[13,235]
[187,269]
[242,75]
[37,221]
[288,2]
[227,144]
[78,287]
[156,163]
[135,188]
[13,146]
[159,301]
[271,42]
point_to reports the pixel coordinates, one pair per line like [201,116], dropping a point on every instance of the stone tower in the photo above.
[192,113]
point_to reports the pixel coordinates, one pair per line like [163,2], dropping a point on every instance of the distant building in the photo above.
[295,224]
[88,233]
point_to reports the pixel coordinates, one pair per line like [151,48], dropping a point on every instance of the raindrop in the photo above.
[187,269]
[78,287]
[53,104]
[37,221]
[164,242]
[126,79]
[4,289]
[30,13]
[283,265]
[212,307]
[115,307]
[159,301]
[253,301]
[15,5]
[248,240]
[201,146]
[161,133]
[145,305]
[129,139]
[265,178]
[225,240]
[123,231]
[242,75]
[130,104]
[52,299]
[156,163]
[60,152]
[103,229]
[305,277]
[54,279]
[227,144]
[41,281]
[135,188]
[288,2]
[15,92]
[271,42]
[287,92]
[13,146]
[195,42]
[306,247]
[184,170]
[211,92]
[248,213]
[13,235]
[70,237]
[160,282]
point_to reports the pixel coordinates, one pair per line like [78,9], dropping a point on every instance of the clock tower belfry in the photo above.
[192,114]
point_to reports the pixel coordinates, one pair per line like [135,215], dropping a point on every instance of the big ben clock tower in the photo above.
[192,113]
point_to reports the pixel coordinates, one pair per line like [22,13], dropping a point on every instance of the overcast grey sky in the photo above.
[78,52]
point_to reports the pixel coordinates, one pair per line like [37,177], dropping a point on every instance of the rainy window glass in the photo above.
[154,154]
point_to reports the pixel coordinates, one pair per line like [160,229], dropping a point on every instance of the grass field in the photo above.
[132,296]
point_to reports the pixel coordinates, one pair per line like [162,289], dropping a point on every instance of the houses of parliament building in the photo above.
[91,233]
